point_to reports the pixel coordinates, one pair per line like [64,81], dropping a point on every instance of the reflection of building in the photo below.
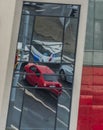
[91,90]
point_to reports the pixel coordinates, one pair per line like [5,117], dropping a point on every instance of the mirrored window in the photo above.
[44,68]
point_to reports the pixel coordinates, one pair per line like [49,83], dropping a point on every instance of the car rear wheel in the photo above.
[62,75]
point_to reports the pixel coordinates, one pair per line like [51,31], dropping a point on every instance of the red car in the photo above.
[42,77]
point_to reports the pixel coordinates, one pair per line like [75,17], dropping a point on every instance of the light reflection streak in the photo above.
[15,128]
[62,106]
[66,93]
[17,108]
[30,94]
[62,122]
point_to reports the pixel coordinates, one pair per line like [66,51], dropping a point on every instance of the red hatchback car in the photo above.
[42,77]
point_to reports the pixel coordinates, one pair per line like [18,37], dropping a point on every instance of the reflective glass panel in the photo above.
[44,67]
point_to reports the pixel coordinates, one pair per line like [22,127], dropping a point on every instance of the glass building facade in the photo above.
[42,83]
[33,106]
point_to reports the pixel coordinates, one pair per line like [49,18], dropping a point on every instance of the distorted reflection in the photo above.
[43,76]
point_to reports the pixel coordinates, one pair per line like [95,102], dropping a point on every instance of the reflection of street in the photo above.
[39,111]
[40,107]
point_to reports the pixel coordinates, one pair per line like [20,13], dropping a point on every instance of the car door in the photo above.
[34,75]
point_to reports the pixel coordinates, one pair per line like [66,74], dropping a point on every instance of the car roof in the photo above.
[43,69]
[67,67]
[53,47]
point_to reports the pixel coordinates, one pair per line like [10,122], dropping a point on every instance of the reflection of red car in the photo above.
[16,60]
[42,77]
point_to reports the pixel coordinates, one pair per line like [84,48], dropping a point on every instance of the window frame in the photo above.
[10,36]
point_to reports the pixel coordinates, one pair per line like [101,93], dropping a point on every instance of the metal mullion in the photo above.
[49,3]
[76,41]
[74,64]
[32,37]
[63,39]
[51,16]
[22,109]
[56,114]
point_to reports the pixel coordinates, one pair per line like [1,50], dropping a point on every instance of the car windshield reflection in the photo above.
[41,49]
[57,54]
[44,51]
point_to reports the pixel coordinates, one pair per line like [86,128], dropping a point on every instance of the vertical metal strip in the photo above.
[74,63]
[22,109]
[32,36]
[63,38]
[55,125]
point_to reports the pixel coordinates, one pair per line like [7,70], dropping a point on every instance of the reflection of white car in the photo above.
[66,73]
[46,51]
[25,56]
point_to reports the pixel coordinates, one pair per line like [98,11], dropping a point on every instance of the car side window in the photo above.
[37,73]
[33,68]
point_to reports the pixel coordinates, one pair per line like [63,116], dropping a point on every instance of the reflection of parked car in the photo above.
[42,77]
[46,51]
[66,73]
